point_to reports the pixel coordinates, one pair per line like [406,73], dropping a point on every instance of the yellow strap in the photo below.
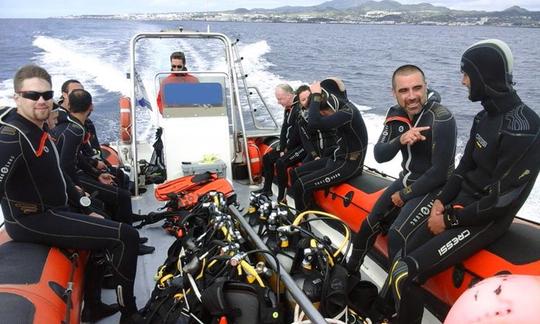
[164,279]
[347,237]
[250,270]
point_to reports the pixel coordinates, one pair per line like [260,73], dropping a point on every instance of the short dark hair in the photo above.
[178,56]
[65,85]
[79,101]
[302,88]
[28,72]
[406,69]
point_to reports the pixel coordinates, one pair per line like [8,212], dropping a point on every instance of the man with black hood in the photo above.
[348,157]
[494,178]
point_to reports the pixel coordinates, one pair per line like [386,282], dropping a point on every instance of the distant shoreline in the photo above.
[332,22]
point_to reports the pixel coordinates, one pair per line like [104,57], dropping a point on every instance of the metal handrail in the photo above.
[265,107]
[301,299]
[173,34]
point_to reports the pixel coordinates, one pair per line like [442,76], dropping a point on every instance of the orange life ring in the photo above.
[125,120]
[255,159]
[267,145]
[110,154]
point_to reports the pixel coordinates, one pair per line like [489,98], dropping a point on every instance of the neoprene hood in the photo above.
[489,65]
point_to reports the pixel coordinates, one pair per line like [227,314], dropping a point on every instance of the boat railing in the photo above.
[234,77]
[299,297]
[239,68]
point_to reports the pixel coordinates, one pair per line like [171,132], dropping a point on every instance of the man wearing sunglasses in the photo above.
[178,64]
[34,193]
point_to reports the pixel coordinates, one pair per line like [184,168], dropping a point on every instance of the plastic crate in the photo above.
[190,168]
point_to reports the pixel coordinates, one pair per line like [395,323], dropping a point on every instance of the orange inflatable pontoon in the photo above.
[517,252]
[39,284]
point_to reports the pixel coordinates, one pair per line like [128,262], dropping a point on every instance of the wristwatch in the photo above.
[450,216]
[85,201]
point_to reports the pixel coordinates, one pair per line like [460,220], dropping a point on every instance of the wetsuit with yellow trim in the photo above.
[497,172]
[347,159]
[426,166]
[34,200]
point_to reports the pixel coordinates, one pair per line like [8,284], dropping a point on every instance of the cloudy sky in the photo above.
[51,8]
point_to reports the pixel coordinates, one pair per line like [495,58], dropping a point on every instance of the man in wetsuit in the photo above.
[348,157]
[288,138]
[296,151]
[178,64]
[425,133]
[90,160]
[70,135]
[34,192]
[498,170]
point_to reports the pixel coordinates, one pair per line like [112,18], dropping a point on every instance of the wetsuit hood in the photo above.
[489,65]
[334,92]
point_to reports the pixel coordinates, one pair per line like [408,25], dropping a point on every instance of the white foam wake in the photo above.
[81,59]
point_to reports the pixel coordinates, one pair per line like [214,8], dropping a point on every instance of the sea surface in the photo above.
[96,52]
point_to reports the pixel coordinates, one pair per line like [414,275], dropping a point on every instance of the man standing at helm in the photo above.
[178,64]
[494,178]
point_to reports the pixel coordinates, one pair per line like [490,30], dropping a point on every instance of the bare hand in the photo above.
[436,223]
[96,215]
[315,87]
[413,135]
[437,209]
[106,178]
[317,158]
[101,166]
[396,199]
[80,190]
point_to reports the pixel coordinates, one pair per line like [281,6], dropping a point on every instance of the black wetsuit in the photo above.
[498,170]
[288,140]
[90,152]
[91,149]
[346,160]
[426,166]
[34,203]
[69,135]
[317,143]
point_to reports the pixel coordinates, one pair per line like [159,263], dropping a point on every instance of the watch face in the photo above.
[85,201]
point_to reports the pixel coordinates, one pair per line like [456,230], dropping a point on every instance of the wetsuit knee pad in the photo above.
[402,272]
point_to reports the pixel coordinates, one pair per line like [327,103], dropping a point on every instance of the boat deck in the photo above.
[148,264]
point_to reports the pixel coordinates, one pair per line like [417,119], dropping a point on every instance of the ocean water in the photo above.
[96,52]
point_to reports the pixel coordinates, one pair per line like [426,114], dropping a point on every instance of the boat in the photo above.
[220,116]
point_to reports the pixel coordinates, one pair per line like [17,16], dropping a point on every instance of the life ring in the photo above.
[267,145]
[125,120]
[110,154]
[255,159]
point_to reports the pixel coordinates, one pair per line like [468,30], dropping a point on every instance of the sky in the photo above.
[55,8]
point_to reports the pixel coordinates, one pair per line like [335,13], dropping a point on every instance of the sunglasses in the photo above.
[34,95]
[177,66]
